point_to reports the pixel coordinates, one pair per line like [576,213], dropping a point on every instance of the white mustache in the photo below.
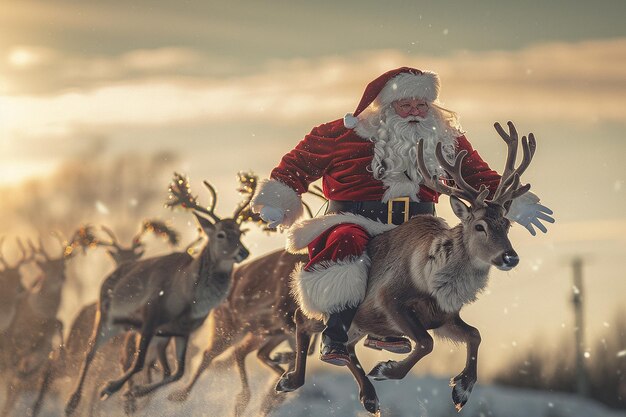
[414,119]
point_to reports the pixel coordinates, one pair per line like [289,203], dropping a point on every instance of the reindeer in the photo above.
[81,328]
[257,315]
[253,318]
[423,272]
[11,284]
[35,331]
[166,296]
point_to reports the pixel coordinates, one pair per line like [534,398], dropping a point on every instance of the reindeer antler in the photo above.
[161,229]
[461,189]
[509,187]
[180,195]
[114,242]
[248,182]
[85,237]
[23,259]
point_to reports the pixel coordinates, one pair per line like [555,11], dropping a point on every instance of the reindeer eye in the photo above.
[221,235]
[479,228]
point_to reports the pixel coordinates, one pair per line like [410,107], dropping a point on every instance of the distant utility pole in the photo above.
[582,383]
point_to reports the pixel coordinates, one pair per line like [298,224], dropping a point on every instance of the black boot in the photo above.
[335,336]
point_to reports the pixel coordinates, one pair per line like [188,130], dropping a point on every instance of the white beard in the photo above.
[395,153]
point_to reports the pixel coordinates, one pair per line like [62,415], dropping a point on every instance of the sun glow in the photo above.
[23,57]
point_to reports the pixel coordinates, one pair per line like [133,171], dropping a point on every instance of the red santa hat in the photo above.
[404,82]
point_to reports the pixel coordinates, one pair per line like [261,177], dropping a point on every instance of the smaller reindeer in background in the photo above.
[166,296]
[35,332]
[11,284]
[82,326]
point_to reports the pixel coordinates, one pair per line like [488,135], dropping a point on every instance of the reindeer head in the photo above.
[10,279]
[52,267]
[485,229]
[224,234]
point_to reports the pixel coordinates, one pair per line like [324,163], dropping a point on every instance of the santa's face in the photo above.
[408,107]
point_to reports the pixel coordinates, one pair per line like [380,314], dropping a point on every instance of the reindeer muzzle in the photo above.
[242,254]
[509,260]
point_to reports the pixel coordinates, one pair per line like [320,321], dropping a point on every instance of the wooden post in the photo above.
[582,383]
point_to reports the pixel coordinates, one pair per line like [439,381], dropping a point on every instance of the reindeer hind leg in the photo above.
[103,331]
[223,335]
[290,381]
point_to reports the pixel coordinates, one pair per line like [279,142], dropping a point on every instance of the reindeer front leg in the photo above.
[147,332]
[367,392]
[180,343]
[462,384]
[409,324]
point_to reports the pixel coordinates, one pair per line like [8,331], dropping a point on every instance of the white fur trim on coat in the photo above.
[407,85]
[305,231]
[274,193]
[331,286]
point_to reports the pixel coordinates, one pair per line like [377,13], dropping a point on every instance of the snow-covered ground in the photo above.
[335,393]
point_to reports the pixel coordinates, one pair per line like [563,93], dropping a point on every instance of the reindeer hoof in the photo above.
[285,384]
[370,404]
[109,390]
[178,396]
[382,371]
[461,390]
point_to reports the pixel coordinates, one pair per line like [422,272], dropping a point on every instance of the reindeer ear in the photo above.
[459,208]
[204,223]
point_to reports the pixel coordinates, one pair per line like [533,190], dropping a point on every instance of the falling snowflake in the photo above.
[101,207]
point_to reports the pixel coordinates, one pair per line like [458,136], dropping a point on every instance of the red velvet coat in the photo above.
[343,160]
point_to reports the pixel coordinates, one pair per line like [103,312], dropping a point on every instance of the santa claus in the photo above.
[367,163]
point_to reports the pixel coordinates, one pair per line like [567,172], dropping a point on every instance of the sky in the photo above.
[233,86]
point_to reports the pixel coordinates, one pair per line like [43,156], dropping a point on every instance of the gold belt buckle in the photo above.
[405,200]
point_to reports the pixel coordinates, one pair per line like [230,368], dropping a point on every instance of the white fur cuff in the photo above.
[331,286]
[305,231]
[274,193]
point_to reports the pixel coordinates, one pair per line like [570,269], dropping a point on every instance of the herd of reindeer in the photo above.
[151,306]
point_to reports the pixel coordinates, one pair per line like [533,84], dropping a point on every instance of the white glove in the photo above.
[272,215]
[527,211]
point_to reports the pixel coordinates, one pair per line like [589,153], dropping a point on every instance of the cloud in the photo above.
[580,82]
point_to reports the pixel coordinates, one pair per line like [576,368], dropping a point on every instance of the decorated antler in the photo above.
[180,195]
[248,182]
[84,238]
[159,228]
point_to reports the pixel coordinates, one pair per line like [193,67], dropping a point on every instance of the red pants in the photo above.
[339,242]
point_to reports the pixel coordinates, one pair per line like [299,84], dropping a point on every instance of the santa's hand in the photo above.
[272,215]
[527,211]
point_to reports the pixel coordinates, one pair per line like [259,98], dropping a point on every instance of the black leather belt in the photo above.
[396,211]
